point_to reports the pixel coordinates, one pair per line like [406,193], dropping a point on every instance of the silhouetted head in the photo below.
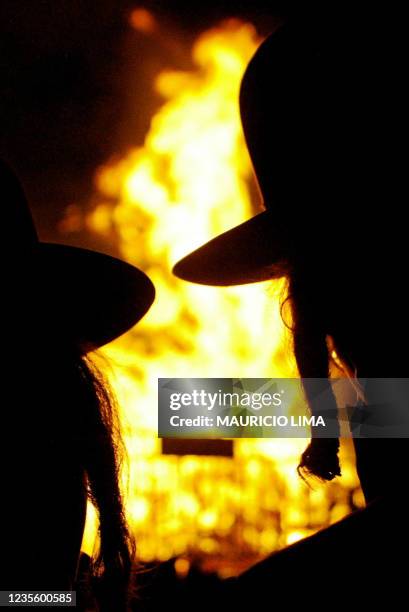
[62,440]
[323,110]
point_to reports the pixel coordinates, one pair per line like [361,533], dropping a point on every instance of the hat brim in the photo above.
[252,252]
[96,297]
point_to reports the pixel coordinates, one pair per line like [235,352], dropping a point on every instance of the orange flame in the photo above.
[142,20]
[191,180]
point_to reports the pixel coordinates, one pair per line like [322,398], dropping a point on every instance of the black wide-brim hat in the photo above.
[295,106]
[87,297]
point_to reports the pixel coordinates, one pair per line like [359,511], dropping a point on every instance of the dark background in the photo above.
[76,81]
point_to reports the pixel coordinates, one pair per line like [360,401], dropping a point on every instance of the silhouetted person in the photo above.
[323,105]
[60,441]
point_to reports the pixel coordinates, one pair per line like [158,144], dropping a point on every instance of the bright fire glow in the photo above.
[191,180]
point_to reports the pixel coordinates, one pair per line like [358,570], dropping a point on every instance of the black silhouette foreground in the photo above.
[323,110]
[60,441]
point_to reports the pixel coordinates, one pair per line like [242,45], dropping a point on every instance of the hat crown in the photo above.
[68,295]
[319,110]
[20,235]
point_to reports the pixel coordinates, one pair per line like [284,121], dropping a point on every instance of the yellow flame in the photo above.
[191,180]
